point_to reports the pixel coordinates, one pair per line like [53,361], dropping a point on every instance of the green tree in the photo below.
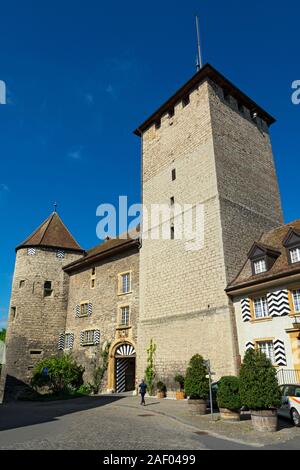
[2,334]
[258,382]
[150,369]
[59,373]
[196,384]
[228,394]
[99,371]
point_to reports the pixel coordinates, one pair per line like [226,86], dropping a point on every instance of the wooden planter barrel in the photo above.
[180,395]
[230,415]
[161,394]
[264,420]
[197,406]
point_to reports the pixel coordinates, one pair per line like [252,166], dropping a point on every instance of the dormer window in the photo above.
[260,266]
[295,255]
[262,258]
[292,245]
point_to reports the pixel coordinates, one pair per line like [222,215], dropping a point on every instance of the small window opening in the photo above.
[185,101]
[173,174]
[48,289]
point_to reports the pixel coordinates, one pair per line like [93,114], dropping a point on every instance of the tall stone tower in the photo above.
[38,300]
[209,144]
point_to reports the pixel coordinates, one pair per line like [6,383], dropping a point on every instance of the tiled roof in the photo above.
[272,240]
[107,248]
[52,233]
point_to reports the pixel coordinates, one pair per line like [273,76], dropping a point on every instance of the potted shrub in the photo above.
[180,395]
[259,390]
[228,398]
[161,389]
[196,384]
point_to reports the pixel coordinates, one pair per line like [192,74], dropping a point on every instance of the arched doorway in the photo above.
[124,368]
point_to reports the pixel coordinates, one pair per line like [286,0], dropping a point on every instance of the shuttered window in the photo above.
[260,307]
[296,300]
[267,347]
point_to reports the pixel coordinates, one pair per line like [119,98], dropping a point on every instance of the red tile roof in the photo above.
[274,240]
[52,233]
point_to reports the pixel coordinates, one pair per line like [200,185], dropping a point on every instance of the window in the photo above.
[185,101]
[260,266]
[48,289]
[89,337]
[35,352]
[124,316]
[260,307]
[93,271]
[68,341]
[125,284]
[173,174]
[13,313]
[296,300]
[267,348]
[295,255]
[84,310]
[172,201]
[21,284]
[171,112]
[172,232]
[92,283]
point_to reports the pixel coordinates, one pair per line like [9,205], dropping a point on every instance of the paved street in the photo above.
[110,422]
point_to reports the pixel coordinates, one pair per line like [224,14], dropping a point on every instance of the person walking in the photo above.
[143,389]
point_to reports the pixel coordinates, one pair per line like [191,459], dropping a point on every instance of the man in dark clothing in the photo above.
[143,389]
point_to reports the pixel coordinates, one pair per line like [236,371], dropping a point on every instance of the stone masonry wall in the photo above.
[183,306]
[38,319]
[106,303]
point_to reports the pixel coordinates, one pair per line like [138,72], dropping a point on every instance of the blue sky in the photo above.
[81,75]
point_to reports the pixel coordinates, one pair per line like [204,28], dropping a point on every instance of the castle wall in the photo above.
[183,306]
[106,302]
[33,331]
[246,176]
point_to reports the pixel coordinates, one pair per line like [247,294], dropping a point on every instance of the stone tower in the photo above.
[209,144]
[38,300]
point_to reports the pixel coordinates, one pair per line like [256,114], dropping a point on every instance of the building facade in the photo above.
[206,150]
[266,298]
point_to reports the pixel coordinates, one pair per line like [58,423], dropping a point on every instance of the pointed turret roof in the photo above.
[52,233]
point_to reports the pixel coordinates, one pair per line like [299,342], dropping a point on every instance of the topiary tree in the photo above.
[58,373]
[196,384]
[228,394]
[180,380]
[150,371]
[258,382]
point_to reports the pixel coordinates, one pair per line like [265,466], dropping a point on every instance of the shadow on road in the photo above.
[19,414]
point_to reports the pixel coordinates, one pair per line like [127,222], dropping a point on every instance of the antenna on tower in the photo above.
[55,207]
[199,57]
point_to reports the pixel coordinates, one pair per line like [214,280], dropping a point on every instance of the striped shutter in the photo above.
[81,338]
[246,313]
[97,337]
[77,311]
[71,340]
[250,345]
[61,341]
[279,352]
[31,251]
[278,303]
[90,309]
[60,254]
